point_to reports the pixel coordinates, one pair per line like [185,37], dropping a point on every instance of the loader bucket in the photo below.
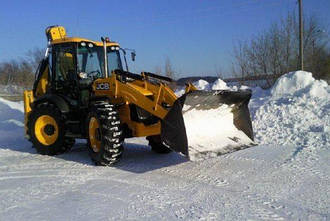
[202,124]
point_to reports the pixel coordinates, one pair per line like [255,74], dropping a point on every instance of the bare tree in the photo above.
[34,57]
[169,72]
[219,72]
[275,51]
[21,72]
[158,70]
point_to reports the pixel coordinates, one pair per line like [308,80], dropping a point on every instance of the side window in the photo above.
[64,64]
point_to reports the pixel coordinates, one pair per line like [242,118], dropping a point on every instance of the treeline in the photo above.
[20,72]
[276,51]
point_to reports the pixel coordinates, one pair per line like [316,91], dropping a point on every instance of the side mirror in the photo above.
[133,55]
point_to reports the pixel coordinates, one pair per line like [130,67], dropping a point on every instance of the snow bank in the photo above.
[206,86]
[296,112]
[300,83]
[11,124]
[202,85]
[220,85]
[217,85]
[12,105]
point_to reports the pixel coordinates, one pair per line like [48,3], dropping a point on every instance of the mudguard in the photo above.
[60,102]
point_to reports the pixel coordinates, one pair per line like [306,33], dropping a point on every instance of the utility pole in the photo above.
[301,46]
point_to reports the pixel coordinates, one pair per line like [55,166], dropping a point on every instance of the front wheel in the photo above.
[104,134]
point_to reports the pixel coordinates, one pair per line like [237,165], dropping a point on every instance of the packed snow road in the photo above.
[286,177]
[259,183]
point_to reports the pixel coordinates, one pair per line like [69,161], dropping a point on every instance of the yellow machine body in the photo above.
[142,93]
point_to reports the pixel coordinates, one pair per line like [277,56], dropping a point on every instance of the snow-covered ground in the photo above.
[286,177]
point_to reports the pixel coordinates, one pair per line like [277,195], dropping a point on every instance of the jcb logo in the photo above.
[102,86]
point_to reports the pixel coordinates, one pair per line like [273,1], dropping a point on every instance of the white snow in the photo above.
[300,84]
[286,177]
[293,113]
[202,85]
[220,85]
[212,132]
[12,105]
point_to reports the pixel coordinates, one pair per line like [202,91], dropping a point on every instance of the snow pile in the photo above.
[202,85]
[296,112]
[12,105]
[220,85]
[11,122]
[217,85]
[300,83]
[211,132]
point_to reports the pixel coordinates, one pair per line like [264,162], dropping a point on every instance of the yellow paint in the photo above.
[190,87]
[39,130]
[28,99]
[140,89]
[55,33]
[94,129]
[43,83]
[78,40]
[136,93]
[141,130]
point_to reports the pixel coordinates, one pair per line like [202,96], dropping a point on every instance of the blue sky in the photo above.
[197,35]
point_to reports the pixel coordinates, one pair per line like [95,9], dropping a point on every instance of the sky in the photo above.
[196,35]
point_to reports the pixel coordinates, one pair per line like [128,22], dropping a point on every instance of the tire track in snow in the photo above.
[303,160]
[199,177]
[264,208]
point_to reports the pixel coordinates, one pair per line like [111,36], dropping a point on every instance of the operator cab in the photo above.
[71,64]
[84,59]
[76,62]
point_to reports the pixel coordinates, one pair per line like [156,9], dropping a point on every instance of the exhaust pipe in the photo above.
[105,40]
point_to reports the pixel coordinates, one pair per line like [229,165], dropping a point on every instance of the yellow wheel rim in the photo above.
[94,134]
[46,130]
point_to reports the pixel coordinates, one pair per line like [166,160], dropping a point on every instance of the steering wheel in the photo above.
[94,74]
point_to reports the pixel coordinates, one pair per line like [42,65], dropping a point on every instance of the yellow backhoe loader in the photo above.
[81,90]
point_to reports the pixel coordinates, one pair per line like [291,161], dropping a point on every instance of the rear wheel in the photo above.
[104,134]
[157,146]
[47,130]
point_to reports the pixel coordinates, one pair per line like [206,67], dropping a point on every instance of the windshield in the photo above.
[114,61]
[90,60]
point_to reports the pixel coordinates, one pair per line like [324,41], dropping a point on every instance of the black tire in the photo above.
[157,146]
[60,143]
[108,134]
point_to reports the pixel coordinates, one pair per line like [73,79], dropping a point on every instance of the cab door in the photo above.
[64,70]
